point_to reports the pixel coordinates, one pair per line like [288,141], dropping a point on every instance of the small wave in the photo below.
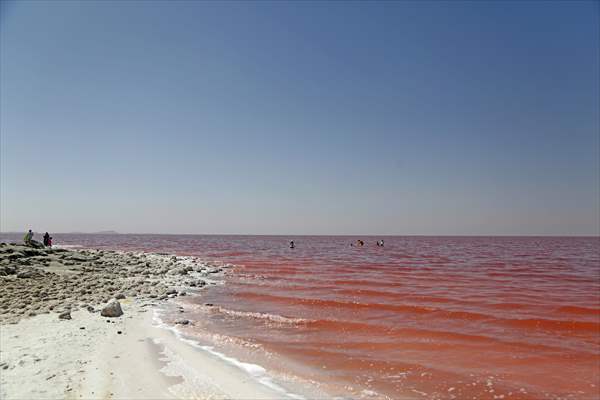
[552,324]
[436,338]
[490,318]
[579,310]
[254,370]
[67,246]
[280,319]
[401,308]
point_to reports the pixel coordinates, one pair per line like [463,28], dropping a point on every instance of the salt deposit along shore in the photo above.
[55,342]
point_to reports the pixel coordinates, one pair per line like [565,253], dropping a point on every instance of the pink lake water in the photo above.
[422,317]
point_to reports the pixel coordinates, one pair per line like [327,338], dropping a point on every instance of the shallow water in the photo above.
[427,317]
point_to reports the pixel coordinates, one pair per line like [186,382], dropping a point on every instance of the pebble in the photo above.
[65,315]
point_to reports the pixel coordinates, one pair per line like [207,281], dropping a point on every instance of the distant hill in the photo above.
[90,233]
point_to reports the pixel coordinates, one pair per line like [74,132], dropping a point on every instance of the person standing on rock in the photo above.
[46,239]
[28,237]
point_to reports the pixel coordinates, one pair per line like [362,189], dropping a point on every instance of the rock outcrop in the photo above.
[36,281]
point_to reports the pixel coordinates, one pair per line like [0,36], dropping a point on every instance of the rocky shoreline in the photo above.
[83,324]
[55,280]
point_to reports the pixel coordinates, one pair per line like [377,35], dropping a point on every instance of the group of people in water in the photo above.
[358,243]
[28,239]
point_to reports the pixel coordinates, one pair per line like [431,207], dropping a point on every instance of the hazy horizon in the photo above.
[320,118]
[287,235]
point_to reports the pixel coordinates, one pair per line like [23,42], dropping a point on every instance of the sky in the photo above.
[406,118]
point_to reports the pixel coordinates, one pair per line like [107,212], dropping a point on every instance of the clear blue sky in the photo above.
[300,118]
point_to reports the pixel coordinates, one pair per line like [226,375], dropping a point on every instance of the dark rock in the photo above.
[120,296]
[29,273]
[8,270]
[35,244]
[119,332]
[65,315]
[29,252]
[197,283]
[183,322]
[112,309]
[78,258]
[16,255]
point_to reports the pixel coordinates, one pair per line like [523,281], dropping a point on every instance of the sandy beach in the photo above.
[55,342]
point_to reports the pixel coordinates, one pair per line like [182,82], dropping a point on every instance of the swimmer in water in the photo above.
[292,244]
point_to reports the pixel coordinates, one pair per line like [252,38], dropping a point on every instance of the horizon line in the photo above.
[321,234]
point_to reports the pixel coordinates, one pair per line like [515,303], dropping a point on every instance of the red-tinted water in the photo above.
[424,317]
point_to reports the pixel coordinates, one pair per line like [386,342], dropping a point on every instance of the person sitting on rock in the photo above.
[28,237]
[46,238]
